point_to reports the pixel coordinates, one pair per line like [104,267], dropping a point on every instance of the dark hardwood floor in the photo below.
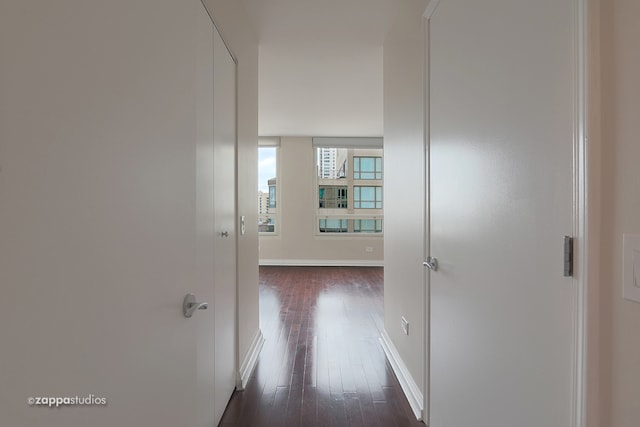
[322,363]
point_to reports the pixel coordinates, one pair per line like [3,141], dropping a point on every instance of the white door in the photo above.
[107,214]
[215,201]
[501,123]
[224,157]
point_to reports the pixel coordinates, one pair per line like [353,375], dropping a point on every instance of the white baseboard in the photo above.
[250,359]
[323,262]
[409,386]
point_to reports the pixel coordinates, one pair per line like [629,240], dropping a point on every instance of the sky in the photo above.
[266,167]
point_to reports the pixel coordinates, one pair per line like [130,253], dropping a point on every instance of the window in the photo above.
[367,197]
[267,188]
[346,225]
[272,193]
[332,197]
[333,225]
[367,167]
[367,226]
[348,186]
[267,224]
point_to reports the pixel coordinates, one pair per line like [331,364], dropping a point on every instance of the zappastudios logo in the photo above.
[90,400]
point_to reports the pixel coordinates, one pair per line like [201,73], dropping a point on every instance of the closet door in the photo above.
[224,195]
[216,241]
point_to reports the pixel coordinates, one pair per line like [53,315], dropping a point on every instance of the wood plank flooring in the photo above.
[322,363]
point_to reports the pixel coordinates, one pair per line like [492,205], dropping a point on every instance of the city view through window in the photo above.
[349,190]
[267,195]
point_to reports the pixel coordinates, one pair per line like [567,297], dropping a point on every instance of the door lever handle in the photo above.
[189,305]
[431,263]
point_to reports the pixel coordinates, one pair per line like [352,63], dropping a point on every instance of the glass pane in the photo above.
[266,225]
[367,175]
[367,226]
[367,164]
[367,197]
[332,225]
[367,168]
[272,196]
[332,197]
[367,193]
[267,195]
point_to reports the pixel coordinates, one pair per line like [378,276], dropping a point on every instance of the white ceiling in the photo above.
[320,65]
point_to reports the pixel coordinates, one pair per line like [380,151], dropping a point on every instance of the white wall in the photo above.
[619,339]
[234,27]
[296,241]
[404,119]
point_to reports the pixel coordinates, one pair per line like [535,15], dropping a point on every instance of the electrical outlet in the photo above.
[405,325]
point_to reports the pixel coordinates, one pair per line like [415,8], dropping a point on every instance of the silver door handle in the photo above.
[431,263]
[189,305]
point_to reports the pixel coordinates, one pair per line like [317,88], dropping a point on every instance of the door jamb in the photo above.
[581,207]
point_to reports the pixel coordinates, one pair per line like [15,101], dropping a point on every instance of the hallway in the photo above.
[322,363]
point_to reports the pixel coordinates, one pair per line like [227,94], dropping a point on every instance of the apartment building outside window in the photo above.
[349,190]
[268,217]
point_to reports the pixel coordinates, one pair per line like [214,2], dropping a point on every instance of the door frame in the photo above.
[582,276]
